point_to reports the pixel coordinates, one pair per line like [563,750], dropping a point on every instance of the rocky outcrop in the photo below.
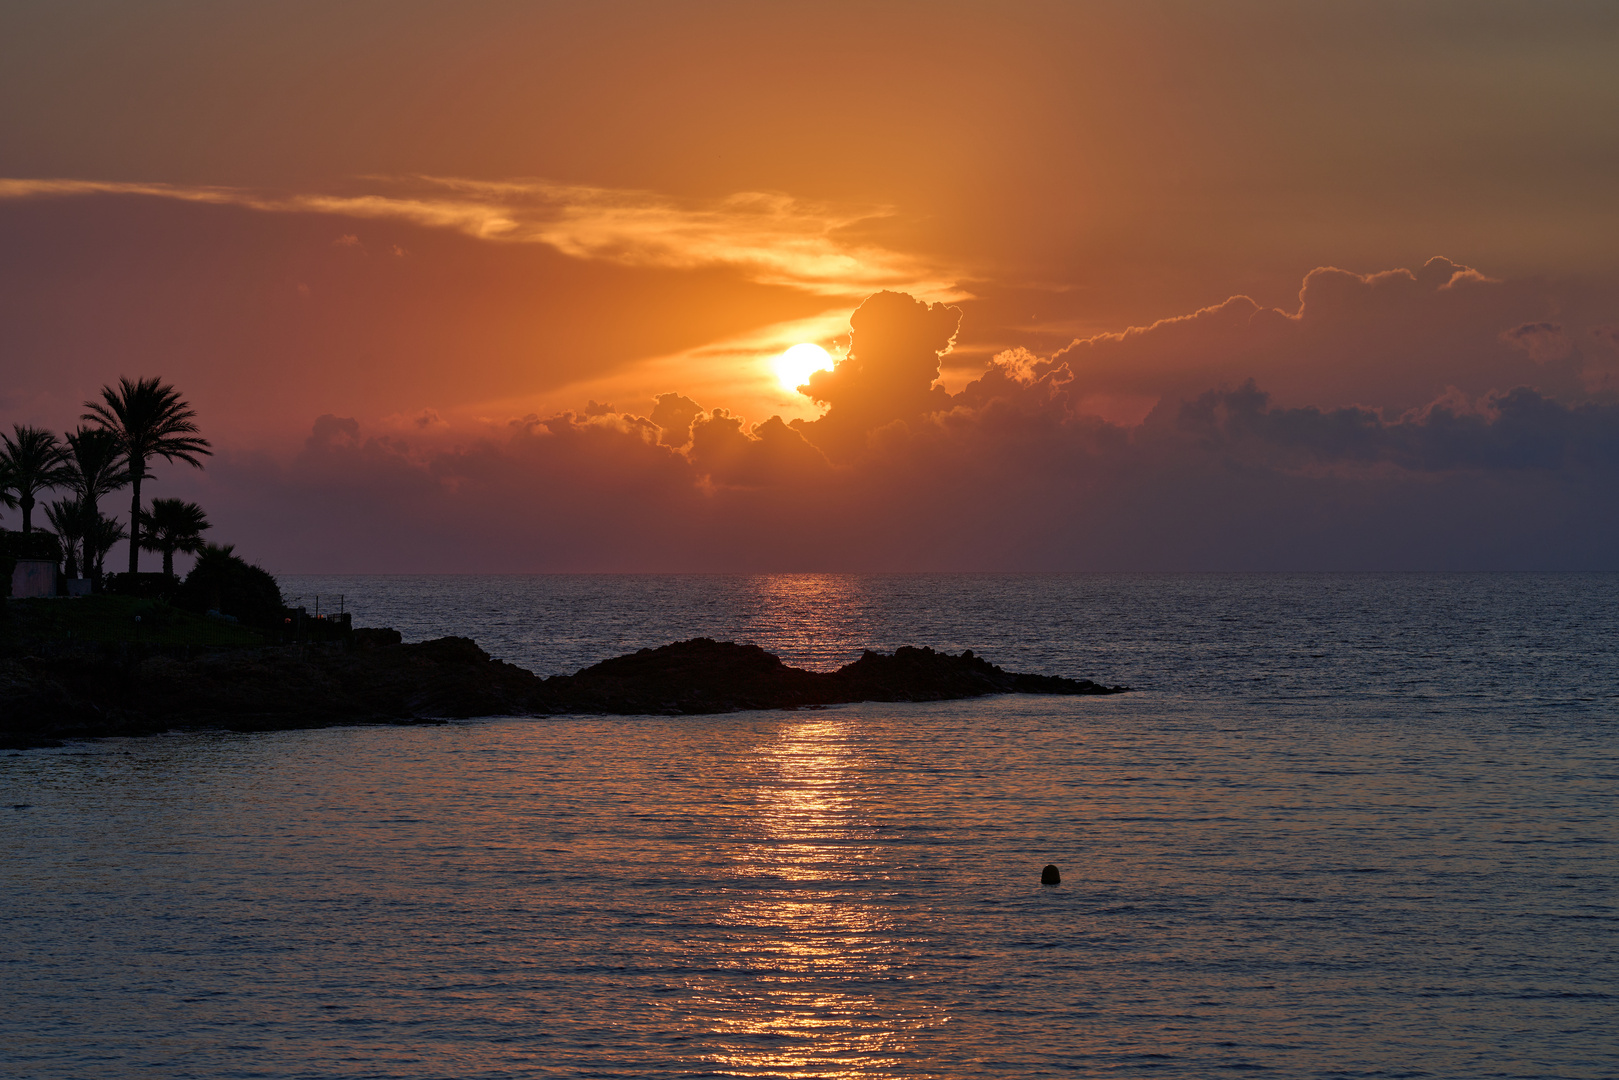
[704,676]
[379,680]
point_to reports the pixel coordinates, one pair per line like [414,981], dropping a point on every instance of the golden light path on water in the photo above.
[814,951]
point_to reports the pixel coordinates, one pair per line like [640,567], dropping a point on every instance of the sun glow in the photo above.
[797,364]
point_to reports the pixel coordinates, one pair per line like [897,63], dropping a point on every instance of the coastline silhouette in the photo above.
[377,679]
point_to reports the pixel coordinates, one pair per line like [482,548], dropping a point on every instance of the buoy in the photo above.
[1049,876]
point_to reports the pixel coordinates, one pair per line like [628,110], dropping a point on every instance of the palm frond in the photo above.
[95,456]
[34,459]
[8,494]
[151,420]
[173,525]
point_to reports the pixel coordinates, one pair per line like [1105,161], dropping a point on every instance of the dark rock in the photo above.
[378,680]
[706,676]
[375,637]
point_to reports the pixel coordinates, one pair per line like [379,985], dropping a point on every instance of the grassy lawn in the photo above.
[112,619]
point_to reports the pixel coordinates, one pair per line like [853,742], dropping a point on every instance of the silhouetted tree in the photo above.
[35,462]
[224,582]
[8,493]
[96,458]
[173,525]
[68,518]
[96,461]
[84,536]
[101,533]
[150,420]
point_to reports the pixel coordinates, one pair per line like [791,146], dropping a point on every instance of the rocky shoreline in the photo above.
[376,679]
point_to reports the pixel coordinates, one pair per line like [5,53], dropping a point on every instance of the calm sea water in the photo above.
[1348,826]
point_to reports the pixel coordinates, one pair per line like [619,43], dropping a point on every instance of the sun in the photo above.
[797,364]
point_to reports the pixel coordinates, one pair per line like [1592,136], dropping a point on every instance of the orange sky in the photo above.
[436,221]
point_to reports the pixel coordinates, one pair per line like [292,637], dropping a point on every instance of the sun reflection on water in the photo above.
[818,621]
[812,938]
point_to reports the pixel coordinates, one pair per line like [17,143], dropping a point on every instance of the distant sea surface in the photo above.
[1346,826]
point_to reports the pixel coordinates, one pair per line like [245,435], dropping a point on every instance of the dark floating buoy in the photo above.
[1049,875]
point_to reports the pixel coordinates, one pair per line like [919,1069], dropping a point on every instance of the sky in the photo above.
[499,287]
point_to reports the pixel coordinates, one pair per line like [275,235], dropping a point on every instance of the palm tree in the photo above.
[34,462]
[150,420]
[96,462]
[95,458]
[68,518]
[173,526]
[8,497]
[100,535]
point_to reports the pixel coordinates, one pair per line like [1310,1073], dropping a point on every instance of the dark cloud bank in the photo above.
[1497,446]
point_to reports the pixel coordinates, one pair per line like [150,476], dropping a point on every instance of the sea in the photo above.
[1343,826]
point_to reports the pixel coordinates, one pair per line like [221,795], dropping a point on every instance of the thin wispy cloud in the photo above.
[772,238]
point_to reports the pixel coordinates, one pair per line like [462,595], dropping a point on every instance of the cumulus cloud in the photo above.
[674,413]
[1487,458]
[1015,481]
[889,374]
[1392,340]
[770,455]
[1519,429]
[1012,472]
[332,431]
[1545,342]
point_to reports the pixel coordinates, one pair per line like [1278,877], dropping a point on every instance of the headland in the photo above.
[89,690]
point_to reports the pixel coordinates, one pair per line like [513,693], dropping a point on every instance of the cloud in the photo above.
[1392,340]
[330,431]
[1015,481]
[1015,471]
[674,413]
[771,455]
[890,372]
[1545,342]
[774,239]
[1009,473]
[1517,429]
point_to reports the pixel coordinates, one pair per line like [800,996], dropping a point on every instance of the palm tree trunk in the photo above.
[89,570]
[135,471]
[27,504]
[168,561]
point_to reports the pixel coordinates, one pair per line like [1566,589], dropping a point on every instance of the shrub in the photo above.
[145,586]
[223,582]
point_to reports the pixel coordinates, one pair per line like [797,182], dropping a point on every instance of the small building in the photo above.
[33,577]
